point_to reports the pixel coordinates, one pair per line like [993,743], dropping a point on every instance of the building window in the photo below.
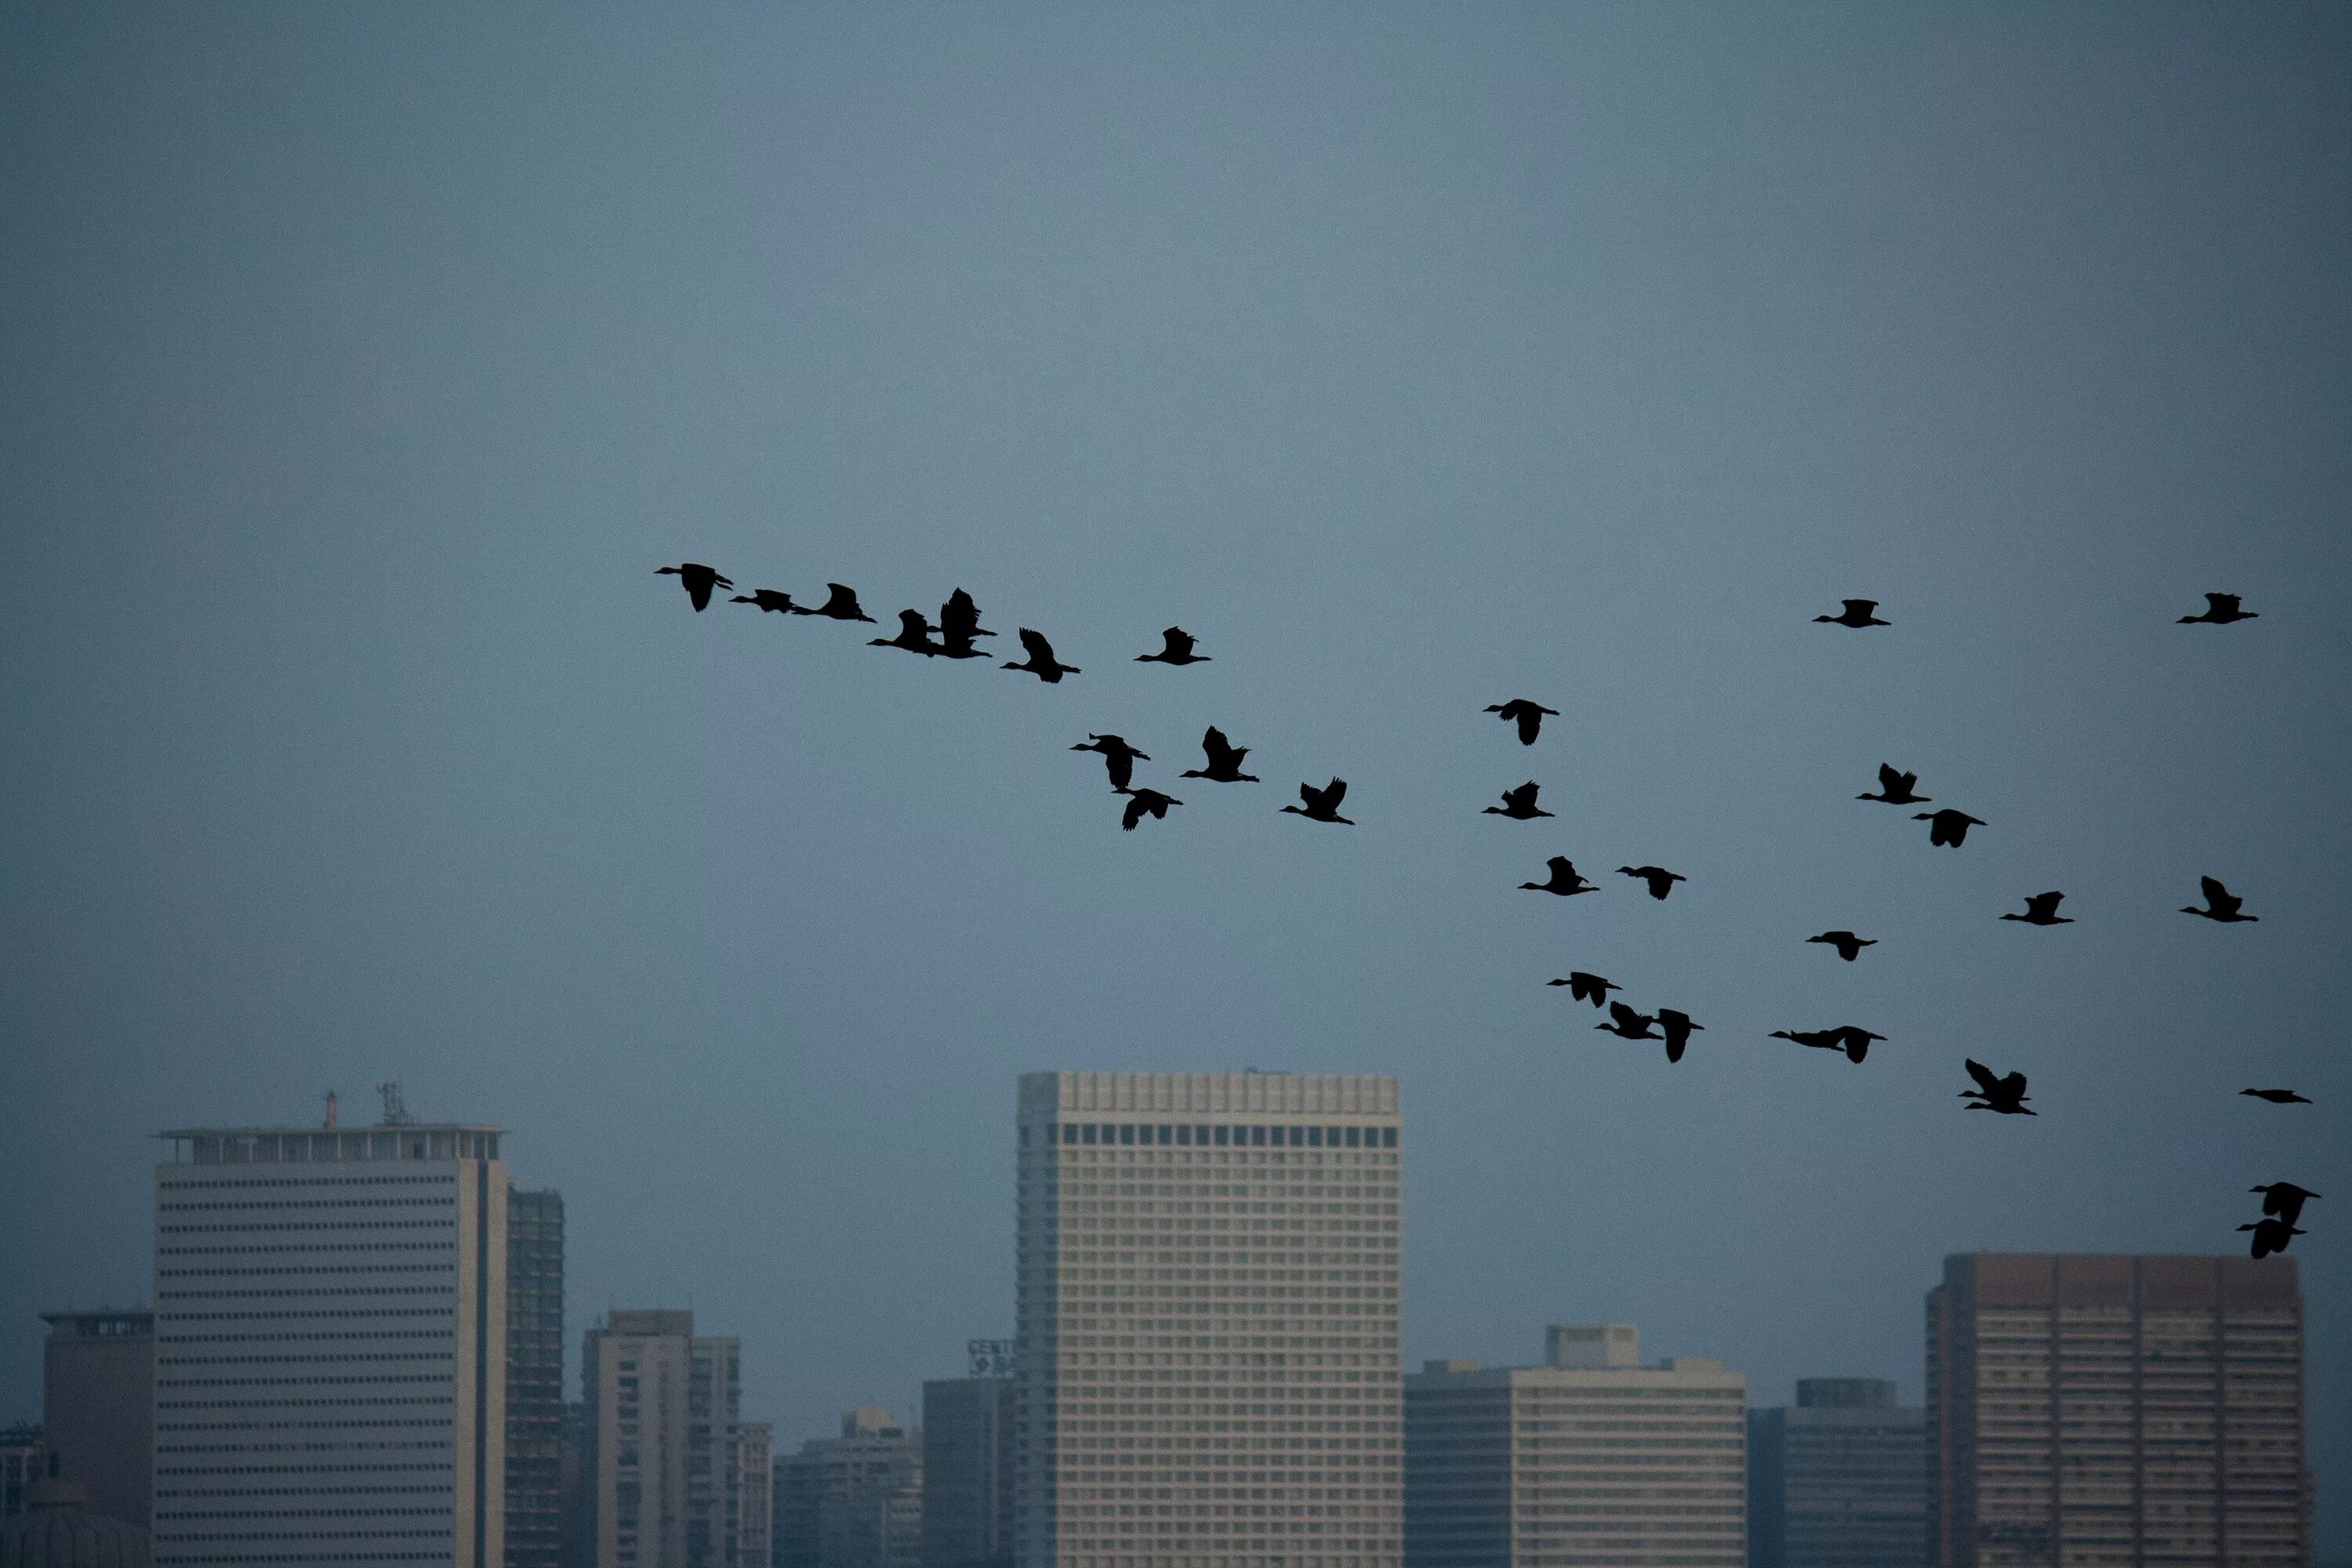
[1355,1137]
[1126,1132]
[1388,1137]
[1069,1131]
[1222,1136]
[1089,1130]
[1184,1135]
[1257,1137]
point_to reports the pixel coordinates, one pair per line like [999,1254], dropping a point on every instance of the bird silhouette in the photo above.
[1858,613]
[841,604]
[2220,609]
[1322,804]
[959,624]
[2272,1235]
[2225,906]
[2284,1199]
[1583,987]
[1528,716]
[914,635]
[1041,663]
[1947,827]
[1661,880]
[1140,801]
[766,598]
[2276,1096]
[1565,879]
[1849,946]
[1518,804]
[1224,759]
[1626,1023]
[1118,758]
[2041,910]
[1678,1028]
[2005,1095]
[1178,649]
[1895,788]
[1819,1039]
[697,579]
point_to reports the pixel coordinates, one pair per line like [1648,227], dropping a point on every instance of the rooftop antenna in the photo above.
[395,1111]
[331,1107]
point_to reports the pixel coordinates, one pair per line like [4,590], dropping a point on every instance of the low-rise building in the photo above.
[1839,1479]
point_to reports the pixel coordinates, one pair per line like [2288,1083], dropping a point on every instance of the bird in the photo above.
[959,624]
[2276,1096]
[1585,987]
[2005,1095]
[1661,880]
[1565,879]
[697,579]
[1118,758]
[1947,827]
[1322,804]
[2220,609]
[1178,649]
[1895,788]
[914,635]
[1626,1023]
[2272,1235]
[1678,1028]
[1041,663]
[1854,1041]
[766,598]
[2041,910]
[1140,801]
[1859,613]
[2223,905]
[1849,946]
[1528,716]
[2284,1199]
[1518,804]
[840,605]
[1224,759]
[1819,1039]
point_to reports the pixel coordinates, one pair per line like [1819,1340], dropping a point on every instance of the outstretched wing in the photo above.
[1179,641]
[1136,806]
[1624,1018]
[1984,1076]
[1334,792]
[1036,647]
[1860,608]
[1222,753]
[2221,604]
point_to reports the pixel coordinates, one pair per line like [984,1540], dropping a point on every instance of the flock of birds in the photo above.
[955,635]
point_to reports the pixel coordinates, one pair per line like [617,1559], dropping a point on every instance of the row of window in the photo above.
[1250,1135]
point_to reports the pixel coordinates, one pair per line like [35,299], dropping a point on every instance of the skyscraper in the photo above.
[854,1501]
[968,1473]
[662,1424]
[1206,1342]
[1839,1481]
[2117,1409]
[534,1506]
[331,1345]
[97,1406]
[755,1479]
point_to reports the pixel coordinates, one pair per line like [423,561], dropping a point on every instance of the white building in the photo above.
[331,1325]
[663,1463]
[1206,1342]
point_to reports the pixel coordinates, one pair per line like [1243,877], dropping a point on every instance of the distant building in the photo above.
[534,1506]
[24,1463]
[98,1407]
[854,1501]
[662,1425]
[1838,1480]
[578,1529]
[57,1530]
[755,1484]
[968,1473]
[1593,1459]
[2108,1408]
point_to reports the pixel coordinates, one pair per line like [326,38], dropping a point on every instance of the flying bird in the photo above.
[1518,804]
[2004,1095]
[1041,663]
[1224,759]
[1678,1028]
[2284,1199]
[1851,1039]
[840,605]
[1178,649]
[1661,880]
[766,598]
[1566,880]
[2220,609]
[1140,801]
[1849,946]
[1118,758]
[697,579]
[1626,1023]
[1858,613]
[1583,987]
[2272,1235]
[1895,788]
[1528,716]
[1947,827]
[2225,906]
[2276,1096]
[914,635]
[959,624]
[1322,804]
[2041,910]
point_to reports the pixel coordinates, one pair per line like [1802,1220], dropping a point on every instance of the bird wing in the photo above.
[1216,747]
[844,596]
[2043,903]
[1892,782]
[1860,606]
[1334,792]
[1983,1074]
[960,617]
[1624,1018]
[1036,647]
[2013,1086]
[2221,604]
[1136,806]
[2222,901]
[1179,640]
[1524,796]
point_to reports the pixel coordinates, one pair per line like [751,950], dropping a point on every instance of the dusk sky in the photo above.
[363,363]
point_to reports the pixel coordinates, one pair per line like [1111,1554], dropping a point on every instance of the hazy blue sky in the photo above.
[363,362]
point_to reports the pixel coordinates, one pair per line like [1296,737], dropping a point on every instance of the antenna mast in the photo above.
[395,1111]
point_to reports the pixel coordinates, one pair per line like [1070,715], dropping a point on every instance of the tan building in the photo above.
[97,1406]
[854,1501]
[661,1470]
[2106,1408]
[1592,1459]
[1206,1342]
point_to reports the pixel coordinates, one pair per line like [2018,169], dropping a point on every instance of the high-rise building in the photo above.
[534,1506]
[1591,1458]
[854,1501]
[755,1481]
[331,1345]
[662,1424]
[97,1406]
[1206,1341]
[2108,1408]
[1839,1479]
[968,1473]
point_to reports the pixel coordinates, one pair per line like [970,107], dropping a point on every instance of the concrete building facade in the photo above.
[330,1346]
[24,1465]
[755,1480]
[1839,1479]
[98,1407]
[1206,1338]
[1592,1459]
[854,1501]
[968,1472]
[534,1477]
[2115,1409]
[662,1425]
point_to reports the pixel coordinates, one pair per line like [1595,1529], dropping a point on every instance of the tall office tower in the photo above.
[755,1480]
[97,1406]
[331,1379]
[1839,1481]
[2117,1409]
[968,1473]
[1591,1458]
[854,1501]
[662,1423]
[1206,1348]
[534,1378]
